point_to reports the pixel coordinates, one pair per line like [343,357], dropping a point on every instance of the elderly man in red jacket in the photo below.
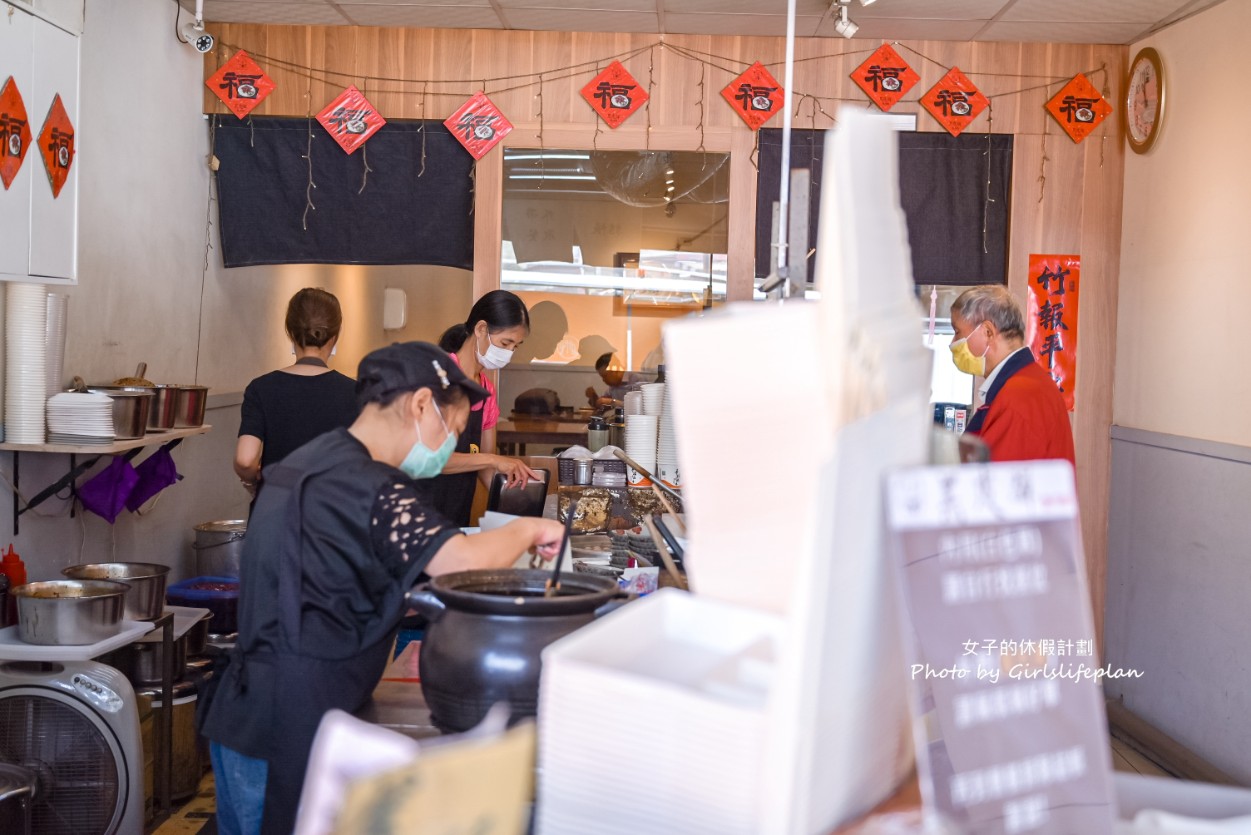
[1022,415]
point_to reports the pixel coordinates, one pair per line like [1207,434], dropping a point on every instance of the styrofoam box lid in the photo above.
[671,637]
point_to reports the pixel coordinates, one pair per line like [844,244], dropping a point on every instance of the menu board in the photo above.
[1009,723]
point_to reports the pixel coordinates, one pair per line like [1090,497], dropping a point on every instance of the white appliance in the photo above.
[76,725]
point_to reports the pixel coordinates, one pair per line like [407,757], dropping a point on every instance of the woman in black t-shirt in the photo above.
[287,408]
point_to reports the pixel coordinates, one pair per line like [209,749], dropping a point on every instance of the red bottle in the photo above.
[11,566]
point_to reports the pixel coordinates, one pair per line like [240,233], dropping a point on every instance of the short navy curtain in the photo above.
[956,235]
[404,215]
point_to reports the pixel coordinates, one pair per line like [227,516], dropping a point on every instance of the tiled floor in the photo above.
[191,817]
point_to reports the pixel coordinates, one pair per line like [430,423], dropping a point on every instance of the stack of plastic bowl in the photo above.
[653,398]
[26,376]
[640,445]
[667,469]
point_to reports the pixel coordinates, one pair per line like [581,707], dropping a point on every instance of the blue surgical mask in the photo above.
[424,462]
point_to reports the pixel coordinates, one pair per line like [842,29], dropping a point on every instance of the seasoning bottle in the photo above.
[596,434]
[616,430]
[13,568]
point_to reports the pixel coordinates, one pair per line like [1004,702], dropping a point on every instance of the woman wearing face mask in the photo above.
[497,324]
[338,536]
[1022,416]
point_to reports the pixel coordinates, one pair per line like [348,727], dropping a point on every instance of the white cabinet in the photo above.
[39,233]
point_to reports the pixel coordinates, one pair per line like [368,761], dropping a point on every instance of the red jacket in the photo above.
[1024,417]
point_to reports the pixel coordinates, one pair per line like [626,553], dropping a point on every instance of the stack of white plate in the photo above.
[667,469]
[75,418]
[58,309]
[640,445]
[653,398]
[26,375]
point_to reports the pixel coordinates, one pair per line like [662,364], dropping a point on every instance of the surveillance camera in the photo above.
[199,39]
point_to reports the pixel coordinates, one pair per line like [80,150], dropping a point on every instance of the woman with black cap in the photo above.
[498,323]
[337,537]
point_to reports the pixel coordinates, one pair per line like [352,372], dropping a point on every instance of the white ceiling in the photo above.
[1057,21]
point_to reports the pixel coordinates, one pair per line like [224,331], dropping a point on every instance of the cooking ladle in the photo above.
[553,582]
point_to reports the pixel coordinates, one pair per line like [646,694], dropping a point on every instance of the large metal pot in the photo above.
[487,629]
[191,403]
[146,598]
[69,612]
[131,405]
[163,408]
[219,547]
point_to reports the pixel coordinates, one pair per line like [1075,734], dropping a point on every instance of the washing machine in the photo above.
[75,726]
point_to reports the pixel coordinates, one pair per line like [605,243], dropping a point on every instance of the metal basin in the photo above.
[146,598]
[191,403]
[69,612]
[131,406]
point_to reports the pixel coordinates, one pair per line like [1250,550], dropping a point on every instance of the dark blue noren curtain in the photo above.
[404,215]
[956,235]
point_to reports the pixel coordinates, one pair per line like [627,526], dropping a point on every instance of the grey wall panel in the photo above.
[1179,590]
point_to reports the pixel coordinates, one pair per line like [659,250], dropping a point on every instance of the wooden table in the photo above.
[520,431]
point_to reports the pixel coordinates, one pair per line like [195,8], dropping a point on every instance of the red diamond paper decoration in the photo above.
[755,96]
[241,84]
[954,101]
[56,145]
[14,132]
[1079,108]
[614,94]
[885,77]
[350,119]
[478,125]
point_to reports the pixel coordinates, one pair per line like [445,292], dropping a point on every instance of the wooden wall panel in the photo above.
[1079,212]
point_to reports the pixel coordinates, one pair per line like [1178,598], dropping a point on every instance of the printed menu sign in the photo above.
[1009,723]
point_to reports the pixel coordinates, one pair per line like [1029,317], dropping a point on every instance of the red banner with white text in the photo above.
[1051,317]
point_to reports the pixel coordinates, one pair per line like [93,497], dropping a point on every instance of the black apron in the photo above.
[297,685]
[452,495]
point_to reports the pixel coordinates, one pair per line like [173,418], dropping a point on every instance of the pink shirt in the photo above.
[490,406]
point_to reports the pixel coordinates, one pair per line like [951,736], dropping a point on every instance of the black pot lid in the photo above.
[511,591]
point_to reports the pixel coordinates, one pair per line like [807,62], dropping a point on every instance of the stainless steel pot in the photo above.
[69,612]
[131,405]
[219,547]
[146,598]
[190,409]
[147,661]
[163,408]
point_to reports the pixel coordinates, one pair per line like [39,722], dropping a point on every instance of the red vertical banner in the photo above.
[1051,318]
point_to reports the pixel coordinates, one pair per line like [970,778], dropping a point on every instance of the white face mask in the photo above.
[495,357]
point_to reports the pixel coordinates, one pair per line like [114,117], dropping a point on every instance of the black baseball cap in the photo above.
[408,366]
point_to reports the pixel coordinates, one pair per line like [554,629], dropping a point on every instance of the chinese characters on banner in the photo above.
[885,77]
[614,94]
[1051,317]
[478,125]
[14,132]
[954,101]
[241,84]
[1011,729]
[755,95]
[56,145]
[1079,107]
[350,119]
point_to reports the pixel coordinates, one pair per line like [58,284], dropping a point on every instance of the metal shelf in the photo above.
[130,447]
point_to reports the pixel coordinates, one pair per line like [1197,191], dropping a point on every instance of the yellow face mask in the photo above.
[966,360]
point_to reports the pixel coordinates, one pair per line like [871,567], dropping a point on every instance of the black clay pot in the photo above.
[486,631]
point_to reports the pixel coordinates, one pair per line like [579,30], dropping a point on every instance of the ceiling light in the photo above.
[867,2]
[844,25]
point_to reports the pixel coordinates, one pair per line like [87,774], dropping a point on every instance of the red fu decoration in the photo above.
[1079,108]
[478,125]
[241,84]
[350,119]
[15,133]
[614,94]
[755,96]
[885,77]
[954,101]
[56,145]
